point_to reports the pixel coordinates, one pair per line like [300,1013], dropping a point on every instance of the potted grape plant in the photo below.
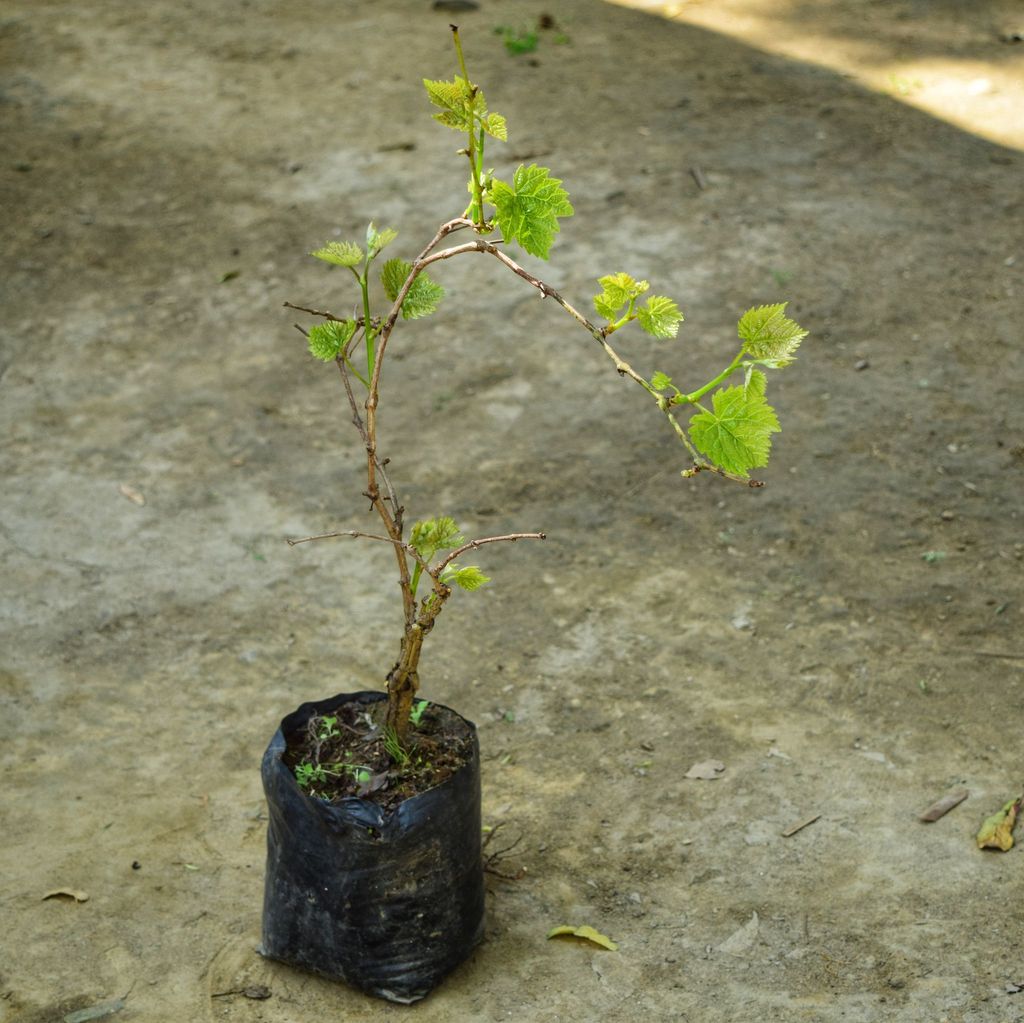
[374,867]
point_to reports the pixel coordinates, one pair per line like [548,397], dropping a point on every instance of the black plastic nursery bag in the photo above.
[390,902]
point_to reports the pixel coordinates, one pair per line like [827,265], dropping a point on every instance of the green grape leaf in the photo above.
[756,382]
[433,535]
[326,340]
[376,240]
[768,334]
[660,381]
[736,436]
[468,578]
[527,211]
[424,296]
[495,126]
[340,253]
[617,291]
[660,317]
[457,100]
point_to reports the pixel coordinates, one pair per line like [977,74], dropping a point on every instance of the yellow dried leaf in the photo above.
[587,934]
[66,893]
[997,831]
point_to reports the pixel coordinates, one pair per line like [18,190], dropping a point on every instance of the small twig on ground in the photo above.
[805,823]
[492,860]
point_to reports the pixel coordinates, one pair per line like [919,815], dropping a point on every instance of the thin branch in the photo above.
[349,532]
[327,315]
[393,520]
[474,544]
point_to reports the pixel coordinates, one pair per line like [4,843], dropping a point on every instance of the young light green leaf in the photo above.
[617,291]
[660,381]
[433,535]
[660,317]
[340,253]
[736,436]
[527,211]
[457,101]
[326,340]
[495,126]
[756,382]
[424,296]
[767,333]
[376,240]
[469,578]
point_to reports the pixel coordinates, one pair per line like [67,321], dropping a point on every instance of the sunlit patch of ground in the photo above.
[963,63]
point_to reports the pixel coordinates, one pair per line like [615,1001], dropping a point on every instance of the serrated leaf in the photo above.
[469,578]
[457,101]
[660,317]
[433,535]
[326,340]
[376,240]
[340,253]
[736,436]
[527,211]
[756,382]
[767,333]
[586,933]
[660,381]
[617,291]
[495,126]
[424,296]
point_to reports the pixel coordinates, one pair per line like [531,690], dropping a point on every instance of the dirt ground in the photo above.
[845,641]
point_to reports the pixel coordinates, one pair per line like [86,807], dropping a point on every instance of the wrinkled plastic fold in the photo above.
[388,901]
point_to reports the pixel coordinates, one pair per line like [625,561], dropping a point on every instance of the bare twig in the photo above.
[327,315]
[474,544]
[800,825]
[349,532]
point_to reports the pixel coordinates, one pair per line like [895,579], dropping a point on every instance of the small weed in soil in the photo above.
[352,753]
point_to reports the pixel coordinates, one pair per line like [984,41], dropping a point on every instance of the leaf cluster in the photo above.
[442,534]
[617,303]
[463,107]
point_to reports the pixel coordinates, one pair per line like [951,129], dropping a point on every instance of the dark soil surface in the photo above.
[348,754]
[846,641]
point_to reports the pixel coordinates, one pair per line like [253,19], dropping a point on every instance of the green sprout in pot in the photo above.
[724,425]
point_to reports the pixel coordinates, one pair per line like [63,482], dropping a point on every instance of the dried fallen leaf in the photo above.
[587,934]
[66,893]
[942,806]
[706,770]
[133,495]
[997,831]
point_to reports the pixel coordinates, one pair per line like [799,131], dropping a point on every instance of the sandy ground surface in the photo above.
[861,159]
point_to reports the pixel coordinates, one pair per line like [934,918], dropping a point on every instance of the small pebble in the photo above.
[861,364]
